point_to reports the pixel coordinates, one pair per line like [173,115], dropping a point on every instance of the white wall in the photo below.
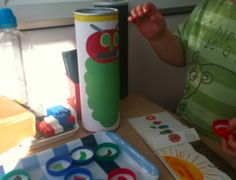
[148,76]
[47,80]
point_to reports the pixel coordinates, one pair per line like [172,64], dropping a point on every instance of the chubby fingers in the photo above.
[136,13]
[229,147]
[147,7]
[232,143]
[140,11]
[232,123]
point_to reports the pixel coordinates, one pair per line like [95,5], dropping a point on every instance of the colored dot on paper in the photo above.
[150,117]
[153,127]
[163,126]
[167,131]
[157,122]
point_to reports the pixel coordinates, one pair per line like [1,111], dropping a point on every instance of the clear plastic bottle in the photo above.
[13,46]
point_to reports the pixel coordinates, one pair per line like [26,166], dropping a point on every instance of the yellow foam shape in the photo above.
[16,124]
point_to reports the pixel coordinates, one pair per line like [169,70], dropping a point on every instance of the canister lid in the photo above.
[96,11]
[7,18]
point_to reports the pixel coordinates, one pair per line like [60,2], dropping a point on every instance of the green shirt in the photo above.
[209,39]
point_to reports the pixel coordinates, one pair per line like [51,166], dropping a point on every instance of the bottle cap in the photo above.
[220,127]
[106,151]
[58,165]
[7,18]
[16,174]
[78,173]
[82,155]
[122,173]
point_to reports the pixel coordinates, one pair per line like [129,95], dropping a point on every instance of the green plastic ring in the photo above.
[106,157]
[15,173]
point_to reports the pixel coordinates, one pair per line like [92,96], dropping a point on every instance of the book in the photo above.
[170,141]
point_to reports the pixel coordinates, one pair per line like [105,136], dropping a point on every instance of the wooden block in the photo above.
[16,124]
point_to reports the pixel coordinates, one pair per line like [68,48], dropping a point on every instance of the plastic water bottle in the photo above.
[13,46]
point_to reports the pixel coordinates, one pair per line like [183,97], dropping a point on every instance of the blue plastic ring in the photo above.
[82,162]
[55,159]
[81,171]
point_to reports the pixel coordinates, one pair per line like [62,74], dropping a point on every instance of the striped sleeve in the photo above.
[184,29]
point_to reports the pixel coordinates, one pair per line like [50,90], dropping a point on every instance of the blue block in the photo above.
[60,113]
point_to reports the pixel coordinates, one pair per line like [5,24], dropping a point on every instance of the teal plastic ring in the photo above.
[15,173]
[112,151]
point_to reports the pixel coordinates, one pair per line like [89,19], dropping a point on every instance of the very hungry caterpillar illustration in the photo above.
[102,75]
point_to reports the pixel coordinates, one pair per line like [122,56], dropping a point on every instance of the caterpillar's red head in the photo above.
[103,45]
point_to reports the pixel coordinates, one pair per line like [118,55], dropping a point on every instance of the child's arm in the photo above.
[229,146]
[152,25]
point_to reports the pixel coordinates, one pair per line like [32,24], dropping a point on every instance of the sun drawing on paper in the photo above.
[188,164]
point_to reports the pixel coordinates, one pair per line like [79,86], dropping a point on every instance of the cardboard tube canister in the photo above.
[123,7]
[97,41]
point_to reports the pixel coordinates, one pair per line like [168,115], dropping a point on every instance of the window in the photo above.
[33,14]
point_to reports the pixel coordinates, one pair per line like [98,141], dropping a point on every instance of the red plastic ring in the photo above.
[220,127]
[121,171]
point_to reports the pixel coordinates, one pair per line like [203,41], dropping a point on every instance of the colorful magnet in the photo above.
[17,174]
[106,151]
[78,174]
[82,155]
[221,128]
[122,174]
[58,165]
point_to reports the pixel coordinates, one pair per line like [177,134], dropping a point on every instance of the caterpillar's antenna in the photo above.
[96,28]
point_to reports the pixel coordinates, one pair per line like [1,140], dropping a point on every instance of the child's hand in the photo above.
[148,20]
[229,146]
